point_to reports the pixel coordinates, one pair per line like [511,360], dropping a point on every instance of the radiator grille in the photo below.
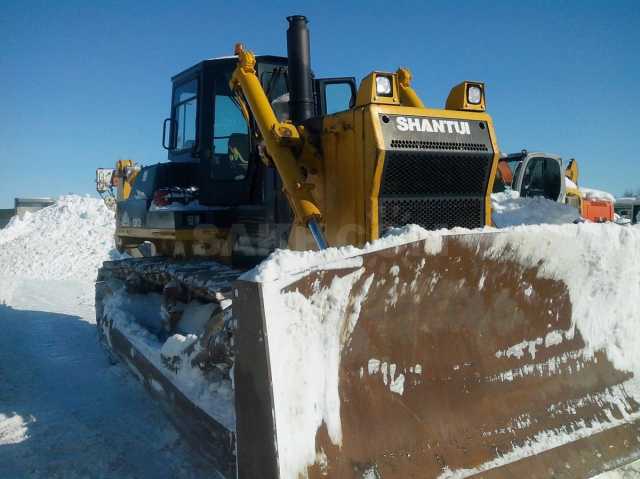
[416,173]
[432,213]
[434,189]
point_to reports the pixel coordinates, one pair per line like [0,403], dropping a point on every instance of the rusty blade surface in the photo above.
[458,366]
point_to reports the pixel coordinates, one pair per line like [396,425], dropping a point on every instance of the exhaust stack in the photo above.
[301,103]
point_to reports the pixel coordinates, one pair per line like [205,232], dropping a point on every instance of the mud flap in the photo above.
[424,360]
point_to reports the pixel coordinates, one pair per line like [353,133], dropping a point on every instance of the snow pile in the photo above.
[68,240]
[593,194]
[508,209]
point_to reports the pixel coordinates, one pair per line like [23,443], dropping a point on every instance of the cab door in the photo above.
[184,137]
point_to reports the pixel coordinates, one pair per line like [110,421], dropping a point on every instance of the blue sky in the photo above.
[86,83]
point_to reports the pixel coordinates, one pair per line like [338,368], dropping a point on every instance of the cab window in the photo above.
[274,82]
[230,141]
[185,109]
[542,177]
[338,97]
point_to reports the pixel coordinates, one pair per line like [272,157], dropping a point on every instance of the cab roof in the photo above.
[231,59]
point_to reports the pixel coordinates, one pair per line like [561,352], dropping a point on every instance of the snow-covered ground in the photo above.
[65,411]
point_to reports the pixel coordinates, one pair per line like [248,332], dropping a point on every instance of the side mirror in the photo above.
[335,94]
[170,145]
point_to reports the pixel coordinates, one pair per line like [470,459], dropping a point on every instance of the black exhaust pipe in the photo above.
[301,102]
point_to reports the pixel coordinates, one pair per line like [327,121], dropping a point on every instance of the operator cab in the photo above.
[532,174]
[207,126]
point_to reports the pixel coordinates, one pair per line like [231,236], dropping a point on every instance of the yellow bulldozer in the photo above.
[390,351]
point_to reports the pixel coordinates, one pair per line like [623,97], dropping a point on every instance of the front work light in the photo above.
[474,94]
[466,96]
[383,86]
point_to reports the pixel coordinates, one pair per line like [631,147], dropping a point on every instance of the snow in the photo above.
[590,193]
[176,344]
[593,194]
[13,428]
[65,411]
[170,358]
[387,373]
[630,471]
[68,240]
[300,411]
[289,264]
[195,317]
[570,184]
[508,209]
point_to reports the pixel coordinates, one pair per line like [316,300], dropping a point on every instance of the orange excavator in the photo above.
[540,174]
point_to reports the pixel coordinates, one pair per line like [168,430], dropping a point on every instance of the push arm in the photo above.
[281,139]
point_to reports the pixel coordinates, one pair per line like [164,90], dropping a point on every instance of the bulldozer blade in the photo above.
[426,359]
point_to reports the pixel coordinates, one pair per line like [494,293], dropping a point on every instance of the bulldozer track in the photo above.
[199,278]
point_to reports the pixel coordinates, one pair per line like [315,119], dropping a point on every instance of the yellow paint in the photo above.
[408,96]
[125,173]
[457,99]
[342,178]
[280,138]
[572,171]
